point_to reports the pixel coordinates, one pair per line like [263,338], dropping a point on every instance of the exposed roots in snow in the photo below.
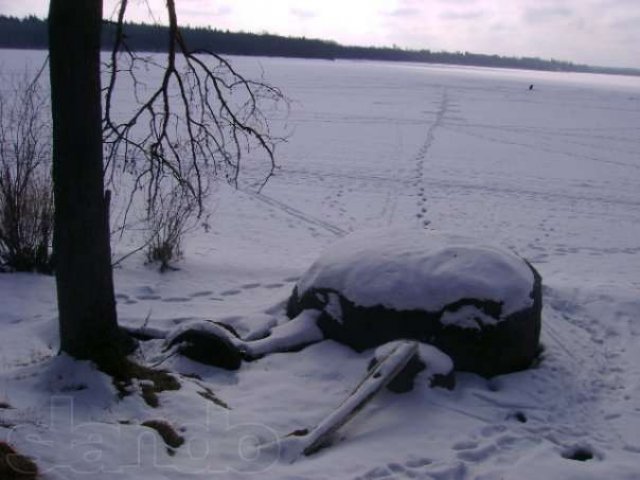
[170,437]
[14,466]
[126,374]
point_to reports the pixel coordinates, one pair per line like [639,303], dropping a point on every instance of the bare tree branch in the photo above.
[192,126]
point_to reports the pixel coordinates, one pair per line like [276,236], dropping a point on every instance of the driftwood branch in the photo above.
[308,441]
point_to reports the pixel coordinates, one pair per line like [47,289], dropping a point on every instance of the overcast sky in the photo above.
[598,32]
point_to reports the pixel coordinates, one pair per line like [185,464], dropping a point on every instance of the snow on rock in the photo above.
[412,269]
[479,303]
[290,336]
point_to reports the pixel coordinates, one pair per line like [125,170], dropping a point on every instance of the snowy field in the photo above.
[552,173]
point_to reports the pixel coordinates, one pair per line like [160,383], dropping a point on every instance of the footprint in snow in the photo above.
[123,298]
[227,293]
[495,441]
[465,445]
[418,462]
[146,292]
[492,430]
[148,297]
[419,468]
[378,472]
[203,293]
[520,417]
[479,454]
[176,299]
[580,453]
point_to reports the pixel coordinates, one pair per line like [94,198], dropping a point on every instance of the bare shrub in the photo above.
[170,214]
[26,199]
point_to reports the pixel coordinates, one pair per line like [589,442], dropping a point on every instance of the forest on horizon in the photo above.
[31,33]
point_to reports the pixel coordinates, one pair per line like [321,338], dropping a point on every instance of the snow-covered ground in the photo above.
[552,173]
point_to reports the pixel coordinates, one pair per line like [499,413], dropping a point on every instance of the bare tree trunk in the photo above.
[82,253]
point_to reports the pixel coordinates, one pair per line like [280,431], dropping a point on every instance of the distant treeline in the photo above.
[31,33]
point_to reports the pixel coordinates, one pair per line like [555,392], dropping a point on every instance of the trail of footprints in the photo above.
[491,445]
[147,293]
[336,202]
[420,160]
[571,427]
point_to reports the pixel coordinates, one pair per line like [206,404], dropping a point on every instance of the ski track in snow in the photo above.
[545,148]
[299,214]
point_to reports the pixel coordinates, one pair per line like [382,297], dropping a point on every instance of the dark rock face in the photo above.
[403,382]
[509,345]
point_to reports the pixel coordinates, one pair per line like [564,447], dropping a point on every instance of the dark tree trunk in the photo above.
[82,254]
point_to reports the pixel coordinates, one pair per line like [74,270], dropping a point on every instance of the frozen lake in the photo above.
[552,173]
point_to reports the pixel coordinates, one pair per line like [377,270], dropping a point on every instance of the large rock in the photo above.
[479,304]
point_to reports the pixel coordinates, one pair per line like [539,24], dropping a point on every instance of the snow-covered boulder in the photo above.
[479,304]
